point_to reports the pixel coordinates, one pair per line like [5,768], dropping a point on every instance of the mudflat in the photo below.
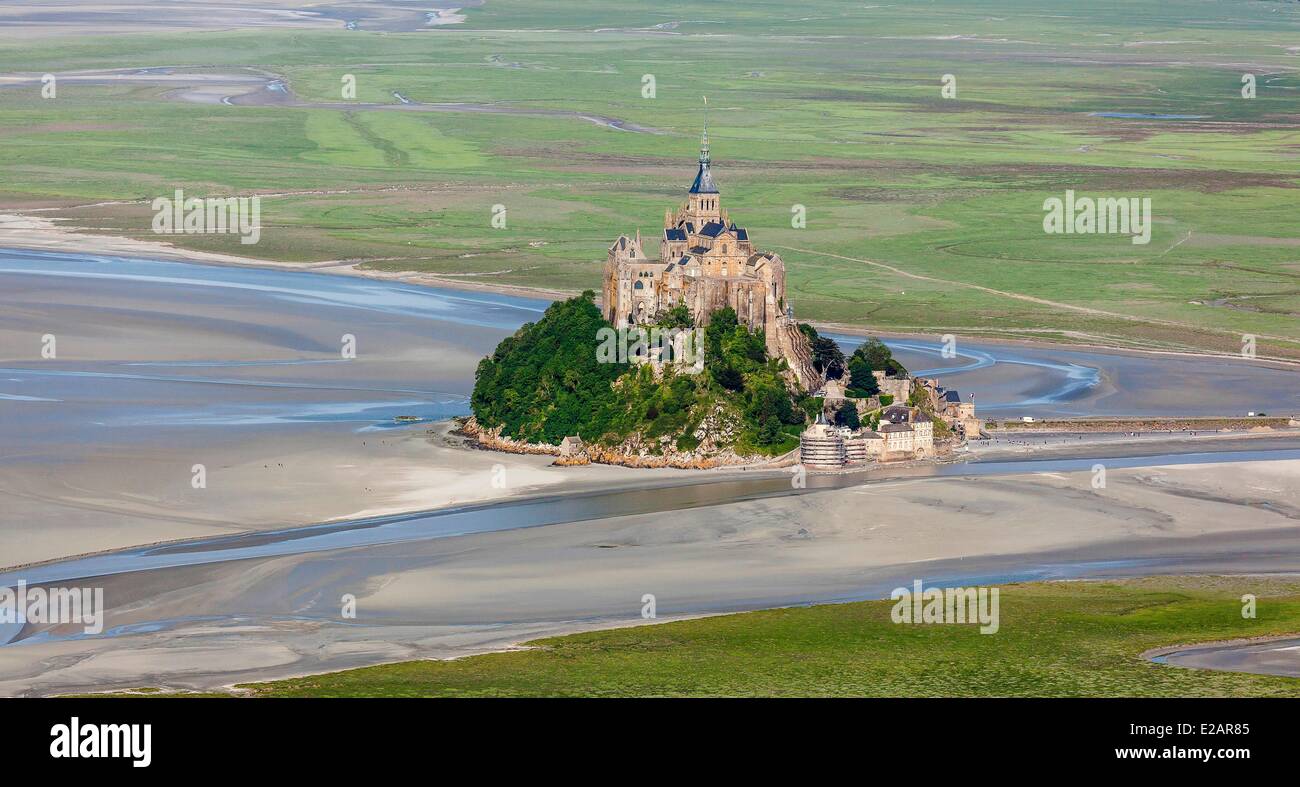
[208,625]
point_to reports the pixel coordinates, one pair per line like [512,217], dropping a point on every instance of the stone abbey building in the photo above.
[706,262]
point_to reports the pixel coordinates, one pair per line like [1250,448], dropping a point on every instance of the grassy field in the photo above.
[924,213]
[1065,639]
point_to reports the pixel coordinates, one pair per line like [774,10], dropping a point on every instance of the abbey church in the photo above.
[706,262]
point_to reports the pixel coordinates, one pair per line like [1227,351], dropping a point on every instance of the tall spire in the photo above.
[704,178]
[704,139]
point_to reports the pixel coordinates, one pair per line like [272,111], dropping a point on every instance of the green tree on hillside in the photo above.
[862,383]
[878,355]
[847,415]
[827,356]
[545,381]
[873,355]
[678,317]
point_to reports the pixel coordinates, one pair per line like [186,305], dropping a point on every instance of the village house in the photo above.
[903,432]
[572,447]
[960,415]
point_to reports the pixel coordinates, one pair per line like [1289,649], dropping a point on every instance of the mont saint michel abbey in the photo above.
[706,262]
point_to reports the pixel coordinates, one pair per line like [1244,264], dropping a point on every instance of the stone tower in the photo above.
[706,263]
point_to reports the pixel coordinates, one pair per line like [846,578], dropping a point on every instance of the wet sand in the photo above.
[1015,379]
[99,18]
[160,369]
[255,87]
[204,626]
[28,231]
[110,497]
[1275,656]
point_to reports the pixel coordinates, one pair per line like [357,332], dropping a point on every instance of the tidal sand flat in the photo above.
[98,18]
[261,88]
[1014,379]
[1274,656]
[187,401]
[255,619]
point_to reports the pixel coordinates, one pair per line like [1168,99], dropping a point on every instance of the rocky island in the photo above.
[694,359]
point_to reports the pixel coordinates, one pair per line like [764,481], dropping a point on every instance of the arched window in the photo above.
[640,285]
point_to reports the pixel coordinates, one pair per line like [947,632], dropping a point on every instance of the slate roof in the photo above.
[704,181]
[712,230]
[896,413]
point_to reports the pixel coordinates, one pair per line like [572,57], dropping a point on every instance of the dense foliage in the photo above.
[828,359]
[871,356]
[546,382]
[678,317]
[736,359]
[847,415]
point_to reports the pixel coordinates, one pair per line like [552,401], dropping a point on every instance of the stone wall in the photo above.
[793,346]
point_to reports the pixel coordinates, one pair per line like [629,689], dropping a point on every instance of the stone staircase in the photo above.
[794,348]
